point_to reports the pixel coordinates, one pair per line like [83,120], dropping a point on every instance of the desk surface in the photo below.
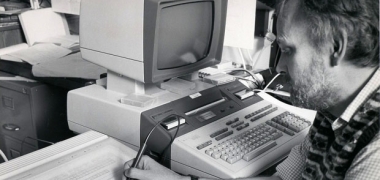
[25,70]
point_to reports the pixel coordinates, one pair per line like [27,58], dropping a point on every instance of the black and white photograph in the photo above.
[189,90]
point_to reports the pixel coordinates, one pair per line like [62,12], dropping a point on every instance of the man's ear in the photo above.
[340,48]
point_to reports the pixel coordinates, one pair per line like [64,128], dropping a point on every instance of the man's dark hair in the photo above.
[359,18]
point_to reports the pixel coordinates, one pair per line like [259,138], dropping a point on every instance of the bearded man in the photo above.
[330,53]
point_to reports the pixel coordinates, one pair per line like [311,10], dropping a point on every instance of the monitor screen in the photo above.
[184,34]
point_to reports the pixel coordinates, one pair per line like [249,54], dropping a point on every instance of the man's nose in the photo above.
[281,67]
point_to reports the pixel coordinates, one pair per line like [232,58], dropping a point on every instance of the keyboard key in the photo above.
[295,128]
[232,121]
[224,135]
[304,125]
[224,157]
[237,124]
[235,120]
[223,151]
[269,123]
[239,155]
[232,159]
[249,156]
[209,151]
[276,135]
[246,150]
[203,145]
[289,132]
[218,132]
[216,155]
[234,151]
[281,128]
[227,149]
[271,130]
[242,126]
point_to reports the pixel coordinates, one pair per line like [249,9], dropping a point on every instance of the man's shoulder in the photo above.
[372,147]
[366,163]
[375,140]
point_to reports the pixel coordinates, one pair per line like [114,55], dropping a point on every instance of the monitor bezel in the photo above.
[151,20]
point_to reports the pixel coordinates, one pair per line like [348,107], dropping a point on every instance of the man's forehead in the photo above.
[292,34]
[287,8]
[289,21]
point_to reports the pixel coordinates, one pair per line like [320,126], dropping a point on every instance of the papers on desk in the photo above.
[16,78]
[36,54]
[11,49]
[48,49]
[72,66]
[41,24]
[66,41]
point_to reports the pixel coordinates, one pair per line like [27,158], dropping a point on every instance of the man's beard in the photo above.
[314,88]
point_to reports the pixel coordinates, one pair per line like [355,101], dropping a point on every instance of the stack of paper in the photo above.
[36,54]
[66,41]
[46,50]
[5,51]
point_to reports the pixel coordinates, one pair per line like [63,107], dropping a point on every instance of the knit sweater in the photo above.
[331,154]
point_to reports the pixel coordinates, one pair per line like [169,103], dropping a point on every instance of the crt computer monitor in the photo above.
[152,40]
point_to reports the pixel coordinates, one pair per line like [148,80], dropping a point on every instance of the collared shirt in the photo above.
[366,164]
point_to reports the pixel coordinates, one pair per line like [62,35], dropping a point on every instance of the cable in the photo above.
[249,72]
[270,25]
[258,57]
[242,59]
[3,155]
[250,56]
[254,82]
[171,142]
[240,69]
[259,83]
[143,147]
[281,73]
[28,137]
[268,40]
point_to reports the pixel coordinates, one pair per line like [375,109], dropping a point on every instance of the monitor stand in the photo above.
[125,85]
[99,108]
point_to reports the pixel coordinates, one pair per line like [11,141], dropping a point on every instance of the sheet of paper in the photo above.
[16,11]
[43,23]
[305,113]
[5,51]
[10,58]
[240,23]
[66,41]
[69,66]
[16,78]
[13,48]
[40,53]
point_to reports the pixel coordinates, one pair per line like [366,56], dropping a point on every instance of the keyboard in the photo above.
[242,144]
[256,140]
